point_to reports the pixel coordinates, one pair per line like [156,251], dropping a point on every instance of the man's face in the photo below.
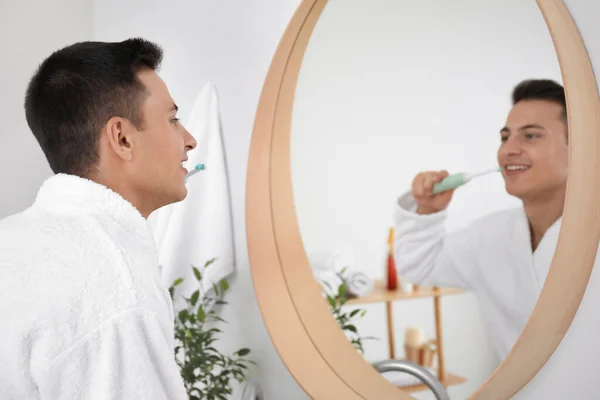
[534,151]
[163,145]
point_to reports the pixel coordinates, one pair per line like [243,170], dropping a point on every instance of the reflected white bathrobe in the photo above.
[491,257]
[83,313]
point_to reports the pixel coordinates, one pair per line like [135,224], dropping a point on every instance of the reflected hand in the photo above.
[422,188]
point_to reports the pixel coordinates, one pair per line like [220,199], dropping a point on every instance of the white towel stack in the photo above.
[327,265]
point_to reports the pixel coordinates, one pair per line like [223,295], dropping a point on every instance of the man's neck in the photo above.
[542,213]
[128,193]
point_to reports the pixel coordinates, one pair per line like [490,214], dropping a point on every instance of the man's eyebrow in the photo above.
[532,126]
[528,126]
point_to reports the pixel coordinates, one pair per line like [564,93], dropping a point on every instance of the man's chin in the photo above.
[181,194]
[517,192]
[176,196]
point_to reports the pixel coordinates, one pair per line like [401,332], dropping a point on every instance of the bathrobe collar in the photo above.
[72,195]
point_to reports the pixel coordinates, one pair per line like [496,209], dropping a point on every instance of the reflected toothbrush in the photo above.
[456,180]
[197,168]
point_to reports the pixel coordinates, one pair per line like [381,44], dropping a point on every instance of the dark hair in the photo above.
[77,89]
[540,89]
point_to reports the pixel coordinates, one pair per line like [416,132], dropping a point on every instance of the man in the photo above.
[83,314]
[504,257]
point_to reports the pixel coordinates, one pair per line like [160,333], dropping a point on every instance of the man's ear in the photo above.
[121,136]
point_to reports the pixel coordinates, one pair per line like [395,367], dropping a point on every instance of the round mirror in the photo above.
[384,95]
[361,99]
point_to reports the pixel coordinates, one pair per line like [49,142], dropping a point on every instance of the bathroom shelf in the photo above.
[380,294]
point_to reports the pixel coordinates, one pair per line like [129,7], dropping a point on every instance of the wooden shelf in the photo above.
[381,294]
[450,380]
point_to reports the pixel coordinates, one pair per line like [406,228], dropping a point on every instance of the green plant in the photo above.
[205,371]
[337,298]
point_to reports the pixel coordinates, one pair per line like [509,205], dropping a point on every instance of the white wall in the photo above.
[231,44]
[389,89]
[29,31]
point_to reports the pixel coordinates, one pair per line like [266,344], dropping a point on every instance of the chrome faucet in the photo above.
[417,371]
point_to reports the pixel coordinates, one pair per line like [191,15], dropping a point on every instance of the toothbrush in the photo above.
[197,168]
[459,179]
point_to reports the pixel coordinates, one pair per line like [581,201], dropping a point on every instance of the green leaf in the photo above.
[183,315]
[350,328]
[243,352]
[331,301]
[197,273]
[177,282]
[212,260]
[342,290]
[353,313]
[201,314]
[224,284]
[195,297]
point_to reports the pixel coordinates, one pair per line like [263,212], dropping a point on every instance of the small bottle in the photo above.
[392,275]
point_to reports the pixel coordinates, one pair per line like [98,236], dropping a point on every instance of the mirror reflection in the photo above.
[429,164]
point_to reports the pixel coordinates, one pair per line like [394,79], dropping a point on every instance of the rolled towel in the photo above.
[326,265]
[330,281]
[359,283]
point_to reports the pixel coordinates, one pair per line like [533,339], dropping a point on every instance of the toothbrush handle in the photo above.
[449,182]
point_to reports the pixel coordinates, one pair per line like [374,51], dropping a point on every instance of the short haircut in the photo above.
[77,89]
[540,89]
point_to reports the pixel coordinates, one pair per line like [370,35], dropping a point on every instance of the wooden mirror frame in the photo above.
[306,336]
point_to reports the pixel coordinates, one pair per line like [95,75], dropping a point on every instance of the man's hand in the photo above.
[422,188]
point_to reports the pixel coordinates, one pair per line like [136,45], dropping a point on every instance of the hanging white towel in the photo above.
[199,228]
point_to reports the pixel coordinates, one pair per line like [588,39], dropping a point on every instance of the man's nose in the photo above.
[511,146]
[190,141]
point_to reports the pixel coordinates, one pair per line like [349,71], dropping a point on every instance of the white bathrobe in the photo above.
[83,313]
[492,257]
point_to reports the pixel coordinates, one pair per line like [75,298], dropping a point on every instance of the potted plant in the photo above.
[206,372]
[337,298]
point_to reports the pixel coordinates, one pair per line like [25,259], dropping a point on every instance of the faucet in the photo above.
[417,371]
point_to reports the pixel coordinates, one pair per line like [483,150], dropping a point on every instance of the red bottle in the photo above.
[392,275]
